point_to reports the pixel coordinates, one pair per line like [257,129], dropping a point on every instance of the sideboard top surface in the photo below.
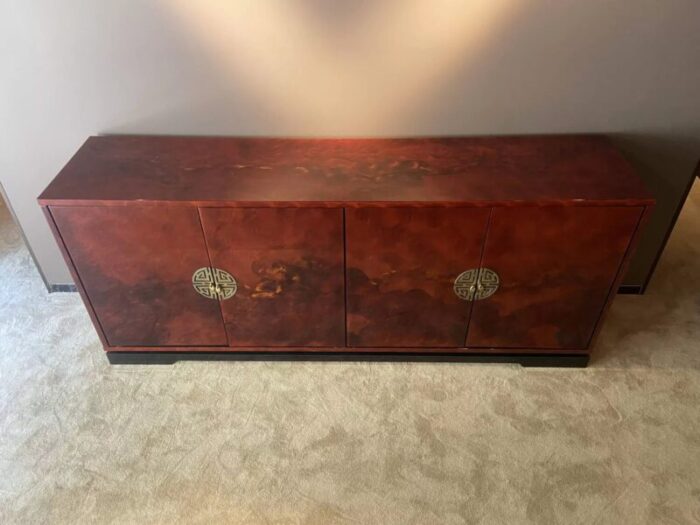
[549,169]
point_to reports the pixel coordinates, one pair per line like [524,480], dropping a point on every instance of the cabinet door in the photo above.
[401,268]
[288,264]
[556,267]
[136,265]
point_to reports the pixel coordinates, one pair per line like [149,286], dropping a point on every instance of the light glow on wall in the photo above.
[354,75]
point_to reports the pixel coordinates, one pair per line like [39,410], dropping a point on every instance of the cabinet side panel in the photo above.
[74,274]
[622,270]
[288,263]
[556,267]
[401,268]
[136,265]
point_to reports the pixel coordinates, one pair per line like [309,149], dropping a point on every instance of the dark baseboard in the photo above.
[169,358]
[62,288]
[631,289]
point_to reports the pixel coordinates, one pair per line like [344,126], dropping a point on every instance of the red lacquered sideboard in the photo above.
[466,248]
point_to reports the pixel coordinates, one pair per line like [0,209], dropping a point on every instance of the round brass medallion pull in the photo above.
[214,283]
[476,284]
[487,284]
[465,284]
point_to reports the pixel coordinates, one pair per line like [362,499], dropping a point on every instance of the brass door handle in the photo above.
[476,284]
[214,283]
[487,284]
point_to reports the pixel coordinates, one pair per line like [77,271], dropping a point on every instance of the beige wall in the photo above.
[74,68]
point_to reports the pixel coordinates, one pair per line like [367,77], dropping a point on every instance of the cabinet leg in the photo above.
[565,361]
[141,358]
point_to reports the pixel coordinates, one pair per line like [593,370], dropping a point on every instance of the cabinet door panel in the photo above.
[136,265]
[401,267]
[288,263]
[556,269]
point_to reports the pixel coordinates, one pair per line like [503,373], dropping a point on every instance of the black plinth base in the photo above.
[168,358]
[630,289]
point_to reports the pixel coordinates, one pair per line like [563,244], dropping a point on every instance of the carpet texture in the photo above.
[326,443]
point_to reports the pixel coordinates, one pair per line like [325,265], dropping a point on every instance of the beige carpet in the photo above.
[325,443]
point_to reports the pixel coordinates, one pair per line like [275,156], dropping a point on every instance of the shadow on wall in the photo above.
[376,68]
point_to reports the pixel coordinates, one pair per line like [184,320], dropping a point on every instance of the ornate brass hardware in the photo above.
[214,283]
[487,284]
[465,284]
[476,284]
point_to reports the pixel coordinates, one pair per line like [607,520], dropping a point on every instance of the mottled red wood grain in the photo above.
[401,266]
[289,266]
[347,172]
[556,266]
[563,210]
[136,265]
